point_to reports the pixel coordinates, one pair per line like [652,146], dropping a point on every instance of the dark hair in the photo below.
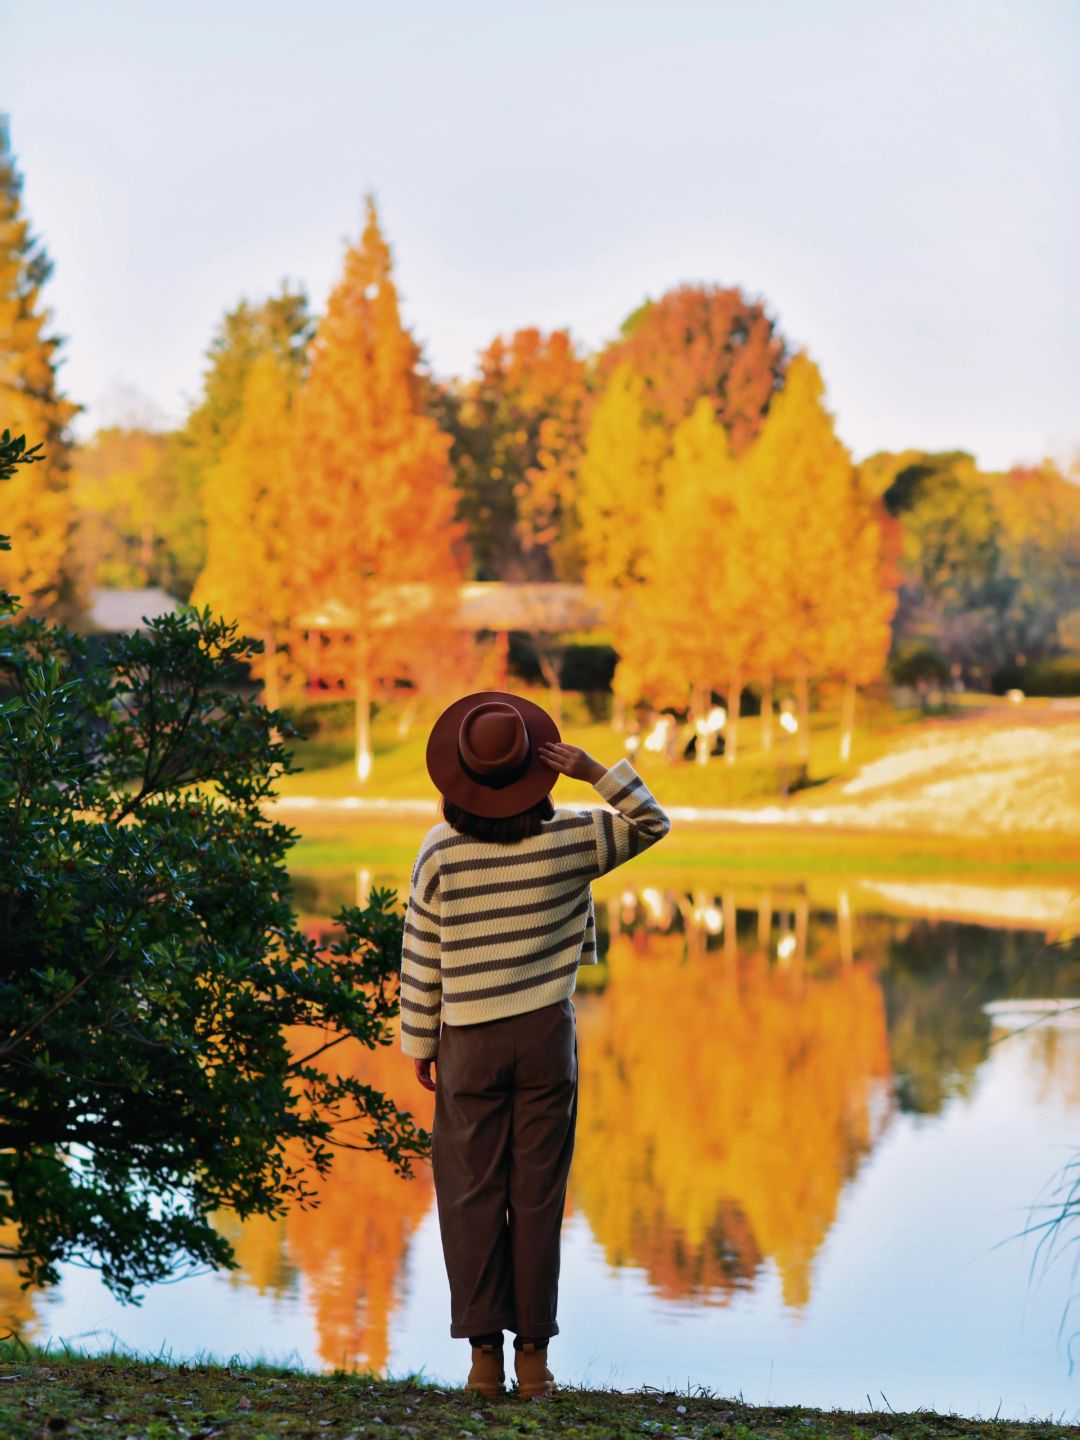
[506,829]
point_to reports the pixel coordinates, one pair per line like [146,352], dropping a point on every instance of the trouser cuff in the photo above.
[484,1326]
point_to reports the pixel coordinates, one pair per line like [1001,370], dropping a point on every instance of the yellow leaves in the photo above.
[728,565]
[619,484]
[253,521]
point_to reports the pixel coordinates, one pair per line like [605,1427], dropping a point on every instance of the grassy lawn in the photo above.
[399,770]
[43,1395]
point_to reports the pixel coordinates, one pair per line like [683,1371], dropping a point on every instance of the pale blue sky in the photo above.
[897,179]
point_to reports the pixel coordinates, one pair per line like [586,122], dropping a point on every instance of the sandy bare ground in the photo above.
[996,773]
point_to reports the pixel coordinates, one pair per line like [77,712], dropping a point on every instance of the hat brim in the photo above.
[450,779]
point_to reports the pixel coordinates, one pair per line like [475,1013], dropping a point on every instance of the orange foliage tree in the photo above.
[703,340]
[377,534]
[517,428]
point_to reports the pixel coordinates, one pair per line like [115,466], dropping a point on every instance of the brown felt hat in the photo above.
[483,753]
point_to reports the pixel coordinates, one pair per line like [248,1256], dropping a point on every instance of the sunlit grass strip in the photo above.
[388,844]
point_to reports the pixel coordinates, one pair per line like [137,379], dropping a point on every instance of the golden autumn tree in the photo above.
[280,323]
[618,493]
[117,501]
[699,609]
[251,507]
[377,536]
[822,596]
[37,509]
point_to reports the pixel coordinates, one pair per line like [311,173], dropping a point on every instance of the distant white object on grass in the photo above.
[1014,695]
[788,722]
[710,918]
[657,738]
[711,723]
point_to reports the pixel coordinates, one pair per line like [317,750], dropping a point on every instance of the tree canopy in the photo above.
[162,1015]
[36,500]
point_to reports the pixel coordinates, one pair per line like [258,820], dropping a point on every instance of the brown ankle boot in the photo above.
[534,1379]
[488,1375]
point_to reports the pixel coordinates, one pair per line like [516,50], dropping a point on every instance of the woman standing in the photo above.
[500,915]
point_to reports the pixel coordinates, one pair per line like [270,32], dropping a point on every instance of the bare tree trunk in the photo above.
[701,753]
[550,667]
[764,921]
[845,929]
[731,743]
[271,670]
[802,694]
[363,713]
[847,721]
[731,935]
[802,926]
[767,713]
[502,659]
[407,716]
[146,553]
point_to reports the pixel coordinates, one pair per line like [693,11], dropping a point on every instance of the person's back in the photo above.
[499,917]
[495,928]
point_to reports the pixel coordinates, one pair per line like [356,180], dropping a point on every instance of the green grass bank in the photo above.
[47,1394]
[759,775]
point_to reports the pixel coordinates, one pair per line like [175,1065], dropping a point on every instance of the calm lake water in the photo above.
[814,1117]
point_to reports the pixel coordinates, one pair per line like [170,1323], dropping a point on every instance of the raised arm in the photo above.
[638,821]
[421,971]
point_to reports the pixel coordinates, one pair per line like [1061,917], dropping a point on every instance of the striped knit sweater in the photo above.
[493,930]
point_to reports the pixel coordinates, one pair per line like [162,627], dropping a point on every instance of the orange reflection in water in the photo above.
[724,1104]
[16,1304]
[725,1101]
[352,1248]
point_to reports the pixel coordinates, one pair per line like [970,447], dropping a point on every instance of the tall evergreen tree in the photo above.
[37,505]
[379,535]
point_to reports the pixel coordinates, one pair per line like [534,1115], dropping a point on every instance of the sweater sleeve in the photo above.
[421,972]
[638,821]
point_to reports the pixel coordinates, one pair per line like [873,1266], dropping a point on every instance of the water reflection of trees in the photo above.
[352,1248]
[723,1107]
[743,1055]
[743,1046]
[936,978]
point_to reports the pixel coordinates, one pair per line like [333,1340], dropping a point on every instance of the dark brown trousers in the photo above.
[506,1099]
